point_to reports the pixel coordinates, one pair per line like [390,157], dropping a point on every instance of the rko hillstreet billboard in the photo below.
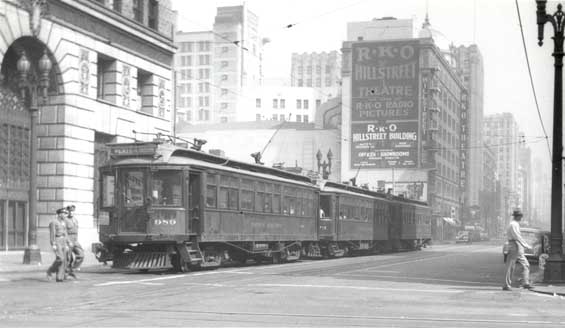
[384,104]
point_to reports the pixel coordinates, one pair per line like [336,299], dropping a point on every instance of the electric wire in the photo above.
[531,78]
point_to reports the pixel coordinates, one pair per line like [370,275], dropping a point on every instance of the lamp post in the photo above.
[555,265]
[32,88]
[326,167]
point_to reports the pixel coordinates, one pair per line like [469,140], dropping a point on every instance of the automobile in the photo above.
[462,237]
[537,238]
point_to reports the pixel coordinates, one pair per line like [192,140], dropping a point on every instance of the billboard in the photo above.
[385,104]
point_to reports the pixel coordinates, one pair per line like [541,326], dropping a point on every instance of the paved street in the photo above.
[441,286]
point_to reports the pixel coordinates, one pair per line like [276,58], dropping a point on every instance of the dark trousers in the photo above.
[60,262]
[76,254]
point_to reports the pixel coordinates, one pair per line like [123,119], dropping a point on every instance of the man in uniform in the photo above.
[517,244]
[58,239]
[75,248]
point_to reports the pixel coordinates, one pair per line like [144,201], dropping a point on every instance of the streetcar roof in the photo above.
[156,154]
[343,188]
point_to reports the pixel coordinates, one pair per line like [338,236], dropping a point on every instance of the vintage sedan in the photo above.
[538,239]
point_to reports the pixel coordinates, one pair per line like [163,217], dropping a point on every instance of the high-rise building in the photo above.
[320,70]
[405,129]
[501,133]
[386,28]
[193,71]
[469,65]
[217,65]
[525,174]
[541,208]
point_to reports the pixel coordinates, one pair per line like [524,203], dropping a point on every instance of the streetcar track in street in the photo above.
[111,312]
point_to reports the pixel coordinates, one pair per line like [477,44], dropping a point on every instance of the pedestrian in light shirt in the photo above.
[517,244]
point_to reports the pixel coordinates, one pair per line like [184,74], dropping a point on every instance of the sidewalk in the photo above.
[12,262]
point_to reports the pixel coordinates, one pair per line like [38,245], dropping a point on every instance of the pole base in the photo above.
[32,255]
[554,270]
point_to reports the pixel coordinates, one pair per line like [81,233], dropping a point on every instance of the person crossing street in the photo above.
[516,253]
[58,239]
[76,252]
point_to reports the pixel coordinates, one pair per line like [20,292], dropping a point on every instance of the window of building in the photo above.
[223,119]
[309,83]
[275,117]
[318,69]
[318,82]
[105,77]
[328,69]
[283,103]
[224,105]
[305,118]
[224,92]
[257,117]
[300,82]
[298,118]
[117,6]
[258,103]
[137,8]
[298,104]
[225,63]
[275,103]
[224,77]
[300,69]
[328,82]
[305,104]
[281,117]
[153,14]
[318,103]
[186,47]
[309,69]
[225,50]
[144,91]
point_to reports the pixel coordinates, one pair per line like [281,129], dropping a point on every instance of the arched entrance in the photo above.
[16,130]
[14,170]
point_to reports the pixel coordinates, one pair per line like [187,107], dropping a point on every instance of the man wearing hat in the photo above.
[517,244]
[75,248]
[58,238]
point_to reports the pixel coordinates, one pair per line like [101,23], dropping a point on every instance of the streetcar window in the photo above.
[133,188]
[247,199]
[211,196]
[108,187]
[167,188]
[247,194]
[228,198]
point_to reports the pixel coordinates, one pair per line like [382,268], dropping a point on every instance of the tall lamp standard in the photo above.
[325,166]
[33,87]
[555,266]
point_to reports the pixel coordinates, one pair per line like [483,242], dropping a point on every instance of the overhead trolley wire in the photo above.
[531,78]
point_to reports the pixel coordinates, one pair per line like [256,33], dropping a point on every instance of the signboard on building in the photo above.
[385,104]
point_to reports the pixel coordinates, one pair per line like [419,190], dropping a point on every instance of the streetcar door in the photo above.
[194,196]
[133,216]
[327,217]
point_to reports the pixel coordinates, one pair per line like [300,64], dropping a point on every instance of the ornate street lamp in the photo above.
[326,167]
[33,87]
[555,266]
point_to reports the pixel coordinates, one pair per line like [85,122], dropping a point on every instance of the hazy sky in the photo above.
[320,25]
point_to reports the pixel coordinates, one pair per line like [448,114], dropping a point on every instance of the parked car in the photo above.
[463,236]
[538,239]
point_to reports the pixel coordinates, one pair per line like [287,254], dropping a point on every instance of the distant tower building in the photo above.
[193,69]
[542,193]
[318,70]
[238,50]
[386,28]
[525,170]
[469,65]
[501,133]
[212,67]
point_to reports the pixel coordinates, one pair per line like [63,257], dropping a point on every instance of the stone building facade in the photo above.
[111,75]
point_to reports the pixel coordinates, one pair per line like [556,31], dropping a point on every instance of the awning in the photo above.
[450,221]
